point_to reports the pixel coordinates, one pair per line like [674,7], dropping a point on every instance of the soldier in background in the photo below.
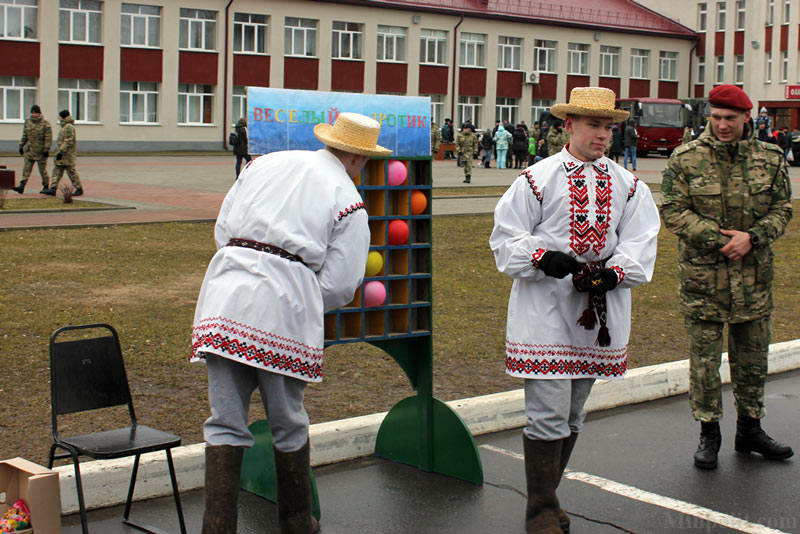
[467,145]
[34,146]
[436,138]
[687,135]
[728,197]
[555,138]
[66,154]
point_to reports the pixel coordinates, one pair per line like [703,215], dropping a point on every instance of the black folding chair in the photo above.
[89,374]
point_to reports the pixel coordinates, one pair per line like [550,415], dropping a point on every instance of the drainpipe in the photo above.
[691,57]
[455,57]
[225,81]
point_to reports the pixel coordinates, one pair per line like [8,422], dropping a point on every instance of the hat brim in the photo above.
[562,110]
[323,131]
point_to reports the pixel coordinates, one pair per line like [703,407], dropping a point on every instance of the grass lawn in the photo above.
[144,280]
[49,203]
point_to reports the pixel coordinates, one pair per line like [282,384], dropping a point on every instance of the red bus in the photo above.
[660,123]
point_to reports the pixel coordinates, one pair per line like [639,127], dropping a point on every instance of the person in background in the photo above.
[519,144]
[66,155]
[531,150]
[487,145]
[241,148]
[630,139]
[34,146]
[467,145]
[436,139]
[448,136]
[616,148]
[501,139]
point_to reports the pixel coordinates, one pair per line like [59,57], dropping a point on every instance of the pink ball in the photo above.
[374,294]
[397,173]
[398,232]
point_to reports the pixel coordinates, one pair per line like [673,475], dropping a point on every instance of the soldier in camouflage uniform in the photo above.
[66,154]
[436,138]
[37,136]
[556,138]
[727,196]
[467,145]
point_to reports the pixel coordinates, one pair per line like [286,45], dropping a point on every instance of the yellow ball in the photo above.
[374,263]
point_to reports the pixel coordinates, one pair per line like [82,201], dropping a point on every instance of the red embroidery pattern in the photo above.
[565,360]
[352,209]
[620,273]
[633,188]
[529,176]
[536,256]
[583,234]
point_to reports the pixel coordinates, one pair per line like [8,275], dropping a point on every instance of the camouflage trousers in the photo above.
[748,347]
[466,161]
[58,172]
[28,167]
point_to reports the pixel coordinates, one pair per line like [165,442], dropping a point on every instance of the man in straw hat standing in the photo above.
[575,213]
[292,239]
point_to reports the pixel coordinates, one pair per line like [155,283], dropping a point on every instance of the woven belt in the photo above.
[264,247]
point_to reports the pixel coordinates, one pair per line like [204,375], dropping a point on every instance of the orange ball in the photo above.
[418,202]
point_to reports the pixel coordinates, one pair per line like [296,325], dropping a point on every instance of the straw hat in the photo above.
[354,133]
[590,102]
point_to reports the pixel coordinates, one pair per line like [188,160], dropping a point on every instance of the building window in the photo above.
[787,4]
[18,19]
[239,103]
[391,43]
[507,109]
[81,98]
[740,14]
[250,33]
[770,12]
[702,16]
[640,60]
[469,107]
[720,69]
[509,53]
[668,66]
[721,12]
[140,26]
[17,95]
[79,21]
[195,104]
[538,106]
[784,66]
[138,102]
[473,49]
[739,78]
[544,56]
[609,60]
[300,37]
[437,109]
[198,29]
[577,58]
[347,38]
[433,47]
[768,68]
[701,69]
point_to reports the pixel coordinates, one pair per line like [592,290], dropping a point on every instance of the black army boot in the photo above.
[710,440]
[223,468]
[467,179]
[750,437]
[51,192]
[566,451]
[292,470]
[542,468]
[78,192]
[20,188]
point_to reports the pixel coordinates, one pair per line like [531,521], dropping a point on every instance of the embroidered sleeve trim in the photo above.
[536,256]
[620,272]
[349,211]
[633,188]
[532,184]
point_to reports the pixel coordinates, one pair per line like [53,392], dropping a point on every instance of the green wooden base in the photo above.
[258,468]
[446,447]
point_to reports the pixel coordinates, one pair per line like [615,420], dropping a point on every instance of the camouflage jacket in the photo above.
[37,136]
[436,138]
[467,143]
[709,185]
[555,140]
[66,144]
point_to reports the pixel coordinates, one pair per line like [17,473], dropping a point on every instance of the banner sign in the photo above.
[792,91]
[284,119]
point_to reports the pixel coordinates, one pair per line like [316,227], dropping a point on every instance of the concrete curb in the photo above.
[106,482]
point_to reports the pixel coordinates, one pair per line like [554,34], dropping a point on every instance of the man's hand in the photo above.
[597,282]
[21,151]
[738,246]
[58,156]
[558,264]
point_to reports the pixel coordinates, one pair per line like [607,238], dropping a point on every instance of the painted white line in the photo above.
[631,492]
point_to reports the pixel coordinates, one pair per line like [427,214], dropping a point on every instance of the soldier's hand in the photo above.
[738,246]
[46,154]
[59,156]
[21,151]
[558,264]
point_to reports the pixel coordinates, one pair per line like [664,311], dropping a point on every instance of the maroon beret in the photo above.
[729,96]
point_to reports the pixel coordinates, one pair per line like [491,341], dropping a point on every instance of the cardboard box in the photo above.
[38,487]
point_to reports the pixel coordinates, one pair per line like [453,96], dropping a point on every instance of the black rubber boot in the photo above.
[467,179]
[566,451]
[542,468]
[292,470]
[20,188]
[51,192]
[78,192]
[223,468]
[750,437]
[710,440]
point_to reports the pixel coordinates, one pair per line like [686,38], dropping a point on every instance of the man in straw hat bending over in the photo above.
[292,241]
[575,231]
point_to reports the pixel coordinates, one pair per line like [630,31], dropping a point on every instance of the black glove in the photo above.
[59,156]
[596,282]
[21,151]
[558,264]
[46,154]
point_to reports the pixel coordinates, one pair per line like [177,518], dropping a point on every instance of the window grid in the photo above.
[544,56]
[784,66]
[18,19]
[720,69]
[472,49]
[138,103]
[17,94]
[701,69]
[538,106]
[640,60]
[250,33]
[347,37]
[577,58]
[668,66]
[721,16]
[787,5]
[433,47]
[195,104]
[391,43]
[770,13]
[609,60]
[507,109]
[140,25]
[702,16]
[768,68]
[437,109]
[740,14]
[238,103]
[300,37]
[509,53]
[739,76]
[469,107]
[198,29]
[79,21]
[81,98]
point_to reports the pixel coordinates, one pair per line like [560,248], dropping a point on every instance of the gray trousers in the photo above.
[230,386]
[555,408]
